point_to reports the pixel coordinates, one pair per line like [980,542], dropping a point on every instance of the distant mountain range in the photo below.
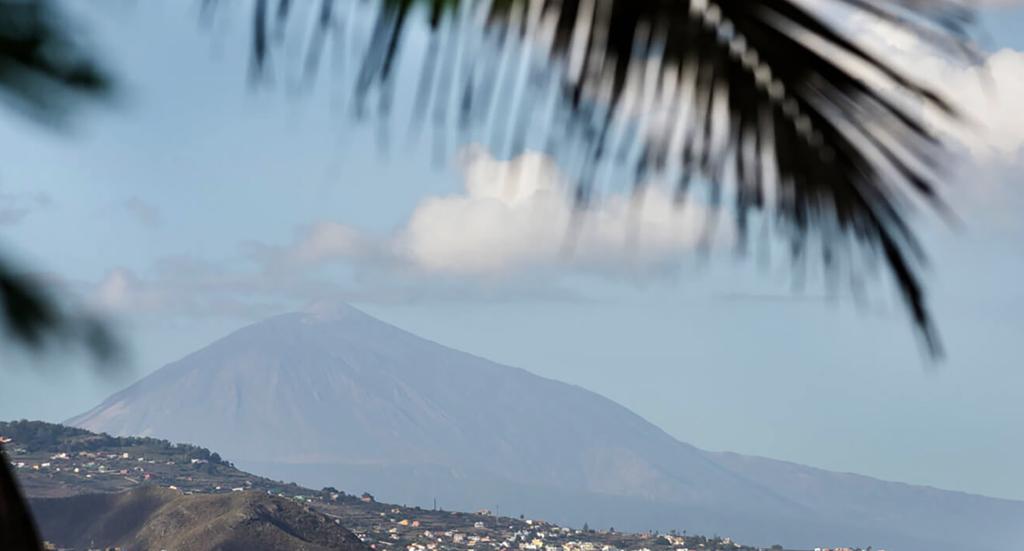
[335,397]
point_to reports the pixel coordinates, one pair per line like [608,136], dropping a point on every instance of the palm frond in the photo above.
[44,70]
[44,73]
[779,112]
[32,316]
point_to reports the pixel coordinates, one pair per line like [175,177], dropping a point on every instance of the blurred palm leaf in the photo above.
[44,74]
[771,106]
[44,71]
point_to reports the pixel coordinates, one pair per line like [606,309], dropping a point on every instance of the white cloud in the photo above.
[184,285]
[511,216]
[519,214]
[987,93]
[990,96]
[507,232]
[326,240]
[121,290]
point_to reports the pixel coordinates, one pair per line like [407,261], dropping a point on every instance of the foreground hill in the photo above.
[54,460]
[336,397]
[151,517]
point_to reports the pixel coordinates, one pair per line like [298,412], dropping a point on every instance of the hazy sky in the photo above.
[195,205]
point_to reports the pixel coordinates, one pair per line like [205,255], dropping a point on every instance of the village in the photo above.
[55,461]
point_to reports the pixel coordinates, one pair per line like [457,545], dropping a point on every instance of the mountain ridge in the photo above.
[335,395]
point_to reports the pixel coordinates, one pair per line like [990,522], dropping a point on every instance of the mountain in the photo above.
[151,517]
[333,396]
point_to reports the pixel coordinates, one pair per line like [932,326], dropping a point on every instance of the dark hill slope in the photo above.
[159,518]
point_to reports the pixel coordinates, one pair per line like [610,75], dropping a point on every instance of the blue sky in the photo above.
[195,205]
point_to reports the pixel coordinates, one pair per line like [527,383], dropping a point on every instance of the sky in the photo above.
[195,204]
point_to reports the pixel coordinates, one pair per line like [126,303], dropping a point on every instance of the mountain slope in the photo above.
[158,518]
[59,461]
[336,397]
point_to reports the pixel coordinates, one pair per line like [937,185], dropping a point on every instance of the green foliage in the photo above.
[38,435]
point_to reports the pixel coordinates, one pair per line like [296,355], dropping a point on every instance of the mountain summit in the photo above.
[333,396]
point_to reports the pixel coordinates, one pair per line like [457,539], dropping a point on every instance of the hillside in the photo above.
[130,467]
[151,517]
[335,397]
[59,461]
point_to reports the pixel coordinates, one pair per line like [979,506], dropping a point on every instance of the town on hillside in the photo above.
[57,461]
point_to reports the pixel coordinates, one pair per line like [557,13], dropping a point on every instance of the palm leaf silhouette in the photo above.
[775,110]
[43,75]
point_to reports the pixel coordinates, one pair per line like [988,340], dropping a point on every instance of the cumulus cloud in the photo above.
[118,290]
[519,214]
[192,287]
[326,240]
[122,290]
[510,217]
[511,230]
[987,93]
[317,244]
[995,107]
